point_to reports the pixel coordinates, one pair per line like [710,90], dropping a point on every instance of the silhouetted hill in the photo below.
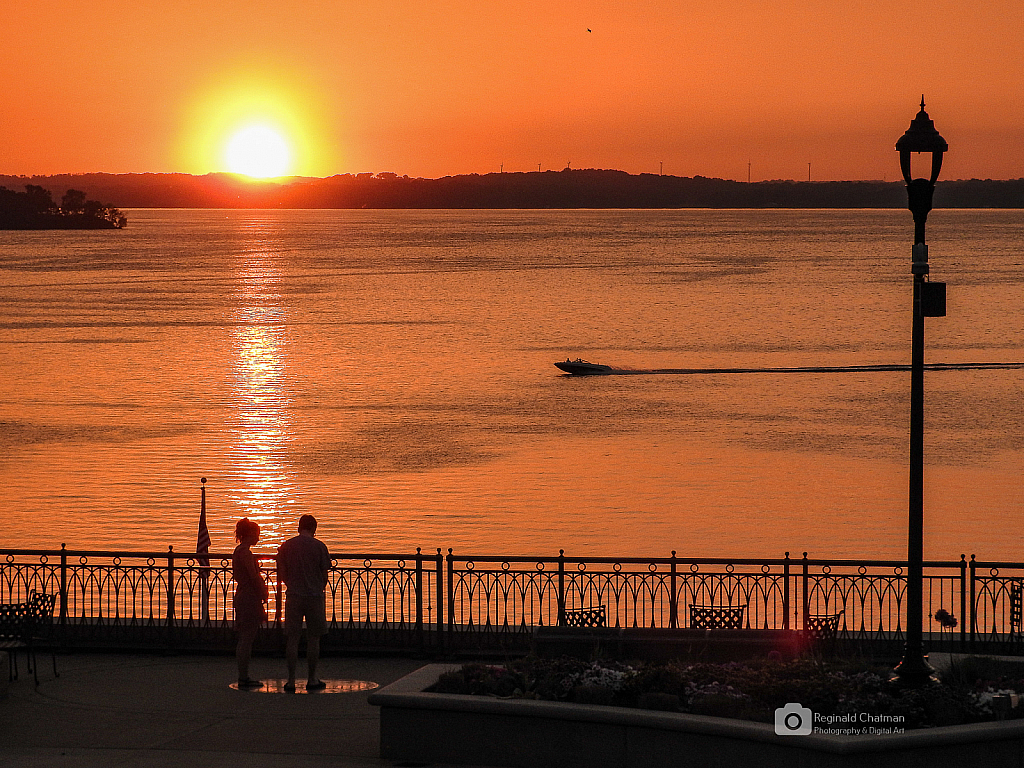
[547,189]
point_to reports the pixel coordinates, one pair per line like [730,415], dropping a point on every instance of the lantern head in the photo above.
[921,136]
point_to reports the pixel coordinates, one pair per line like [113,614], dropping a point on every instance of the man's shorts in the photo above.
[313,609]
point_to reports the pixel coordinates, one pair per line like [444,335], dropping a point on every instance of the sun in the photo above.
[259,151]
[263,120]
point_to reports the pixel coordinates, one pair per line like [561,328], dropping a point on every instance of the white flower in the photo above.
[595,674]
[984,698]
[713,689]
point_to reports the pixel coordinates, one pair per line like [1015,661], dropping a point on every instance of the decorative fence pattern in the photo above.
[436,602]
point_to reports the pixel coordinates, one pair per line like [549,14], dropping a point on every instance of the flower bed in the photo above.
[751,690]
[421,726]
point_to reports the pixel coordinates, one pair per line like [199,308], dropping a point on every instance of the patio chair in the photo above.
[14,621]
[821,629]
[823,626]
[717,616]
[41,626]
[584,617]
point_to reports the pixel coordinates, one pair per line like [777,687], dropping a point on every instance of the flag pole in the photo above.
[203,547]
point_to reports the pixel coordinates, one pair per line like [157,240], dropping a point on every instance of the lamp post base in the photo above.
[914,672]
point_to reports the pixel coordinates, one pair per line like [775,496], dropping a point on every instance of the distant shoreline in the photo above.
[36,209]
[55,221]
[529,190]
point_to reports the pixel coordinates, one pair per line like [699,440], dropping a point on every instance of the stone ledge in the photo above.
[516,732]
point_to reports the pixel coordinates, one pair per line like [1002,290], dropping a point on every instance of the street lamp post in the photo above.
[929,301]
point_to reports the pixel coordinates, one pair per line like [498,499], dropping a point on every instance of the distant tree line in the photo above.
[539,189]
[35,209]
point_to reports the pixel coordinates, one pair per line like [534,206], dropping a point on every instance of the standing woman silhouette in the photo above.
[250,596]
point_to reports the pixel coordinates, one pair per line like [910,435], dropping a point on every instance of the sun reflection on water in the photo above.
[260,425]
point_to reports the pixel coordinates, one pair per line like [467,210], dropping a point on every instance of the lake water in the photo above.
[392,373]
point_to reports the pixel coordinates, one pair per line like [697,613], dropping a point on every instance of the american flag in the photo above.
[203,539]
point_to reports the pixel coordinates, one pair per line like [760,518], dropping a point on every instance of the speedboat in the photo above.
[579,367]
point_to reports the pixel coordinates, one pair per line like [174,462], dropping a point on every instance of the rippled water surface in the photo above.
[391,372]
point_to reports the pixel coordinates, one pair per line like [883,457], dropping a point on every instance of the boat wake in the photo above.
[583,368]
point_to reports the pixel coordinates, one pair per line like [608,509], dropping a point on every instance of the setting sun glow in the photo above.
[261,120]
[258,151]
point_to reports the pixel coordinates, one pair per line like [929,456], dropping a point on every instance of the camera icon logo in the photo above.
[793,720]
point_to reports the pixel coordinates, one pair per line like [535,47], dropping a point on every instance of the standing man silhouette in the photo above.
[302,564]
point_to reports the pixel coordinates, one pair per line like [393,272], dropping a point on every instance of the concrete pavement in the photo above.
[114,710]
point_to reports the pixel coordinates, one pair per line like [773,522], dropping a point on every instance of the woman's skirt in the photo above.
[249,612]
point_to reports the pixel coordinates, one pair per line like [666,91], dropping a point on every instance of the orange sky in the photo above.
[463,86]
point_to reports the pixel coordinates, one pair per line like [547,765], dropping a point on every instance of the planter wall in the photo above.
[430,727]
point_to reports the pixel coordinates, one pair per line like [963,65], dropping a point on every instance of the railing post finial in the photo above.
[63,594]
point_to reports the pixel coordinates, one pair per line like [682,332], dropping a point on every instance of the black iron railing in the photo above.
[435,601]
